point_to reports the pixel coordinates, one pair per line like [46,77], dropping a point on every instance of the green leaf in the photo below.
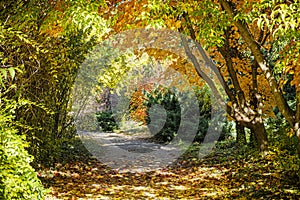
[4,73]
[12,72]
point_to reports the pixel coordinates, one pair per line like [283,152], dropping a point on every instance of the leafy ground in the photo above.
[224,174]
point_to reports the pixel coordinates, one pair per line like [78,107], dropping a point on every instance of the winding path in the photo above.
[125,152]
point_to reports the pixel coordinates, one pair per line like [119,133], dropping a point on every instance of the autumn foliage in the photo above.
[250,47]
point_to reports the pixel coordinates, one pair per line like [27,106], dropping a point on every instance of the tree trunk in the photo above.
[282,104]
[252,139]
[260,136]
[298,143]
[297,120]
[241,135]
[297,131]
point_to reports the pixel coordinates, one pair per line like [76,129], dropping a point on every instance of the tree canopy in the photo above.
[240,55]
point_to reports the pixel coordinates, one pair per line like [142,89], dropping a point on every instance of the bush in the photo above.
[45,91]
[18,180]
[106,121]
[169,101]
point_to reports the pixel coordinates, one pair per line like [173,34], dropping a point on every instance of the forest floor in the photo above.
[226,173]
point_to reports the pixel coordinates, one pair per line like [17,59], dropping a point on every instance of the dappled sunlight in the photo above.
[147,99]
[198,179]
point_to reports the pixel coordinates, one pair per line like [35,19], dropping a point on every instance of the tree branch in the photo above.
[234,111]
[200,72]
[287,112]
[225,53]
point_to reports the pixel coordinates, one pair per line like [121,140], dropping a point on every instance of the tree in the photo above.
[243,53]
[281,19]
[18,180]
[175,16]
[48,55]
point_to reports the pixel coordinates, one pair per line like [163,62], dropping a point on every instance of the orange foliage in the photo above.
[126,14]
[243,69]
[137,106]
[54,28]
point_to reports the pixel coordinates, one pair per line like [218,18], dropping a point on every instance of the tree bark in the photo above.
[252,140]
[260,136]
[297,124]
[297,132]
[241,135]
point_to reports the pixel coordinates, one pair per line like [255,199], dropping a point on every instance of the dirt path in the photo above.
[95,181]
[224,174]
[130,152]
